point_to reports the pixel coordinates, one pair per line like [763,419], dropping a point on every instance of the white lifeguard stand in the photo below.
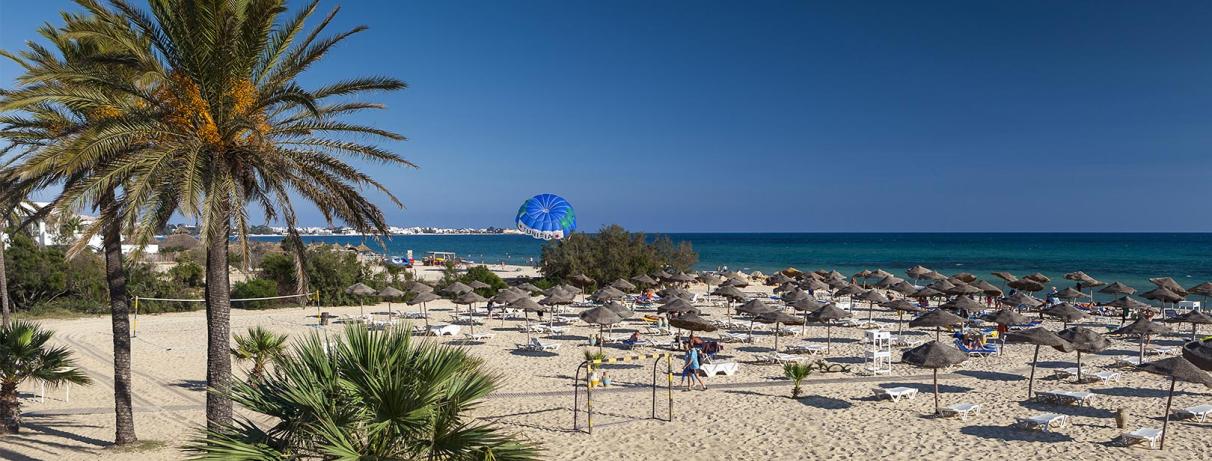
[877,360]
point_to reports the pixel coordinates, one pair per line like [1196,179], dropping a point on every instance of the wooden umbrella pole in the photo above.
[1031,380]
[1166,422]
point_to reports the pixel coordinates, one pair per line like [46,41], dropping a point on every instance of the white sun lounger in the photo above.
[896,393]
[1045,422]
[963,410]
[444,330]
[1127,361]
[727,368]
[1201,412]
[1068,397]
[1107,376]
[735,338]
[1144,434]
[779,357]
[1160,350]
[478,336]
[805,349]
[539,346]
[1068,372]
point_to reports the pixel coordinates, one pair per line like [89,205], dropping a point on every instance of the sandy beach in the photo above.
[747,415]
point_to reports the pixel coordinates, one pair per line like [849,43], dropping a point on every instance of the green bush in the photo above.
[327,270]
[187,273]
[614,253]
[255,288]
[484,274]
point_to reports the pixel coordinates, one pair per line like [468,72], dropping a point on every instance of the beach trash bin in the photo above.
[1121,418]
[324,318]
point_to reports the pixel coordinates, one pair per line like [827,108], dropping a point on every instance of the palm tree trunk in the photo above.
[119,305]
[218,331]
[4,309]
[10,409]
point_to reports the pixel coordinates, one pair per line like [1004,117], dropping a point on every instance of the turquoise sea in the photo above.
[1128,258]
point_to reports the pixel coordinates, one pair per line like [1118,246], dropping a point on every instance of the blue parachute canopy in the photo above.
[546,216]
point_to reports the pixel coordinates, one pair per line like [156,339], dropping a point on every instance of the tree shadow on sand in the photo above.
[928,388]
[825,403]
[991,375]
[1071,410]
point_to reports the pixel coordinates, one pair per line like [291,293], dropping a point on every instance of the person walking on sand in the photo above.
[690,371]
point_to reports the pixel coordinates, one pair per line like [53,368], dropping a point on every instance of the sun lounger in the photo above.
[963,410]
[657,331]
[896,393]
[1127,361]
[1107,376]
[628,343]
[1062,373]
[1067,397]
[1045,422]
[1201,412]
[539,346]
[900,341]
[735,338]
[727,368]
[478,336]
[805,349]
[779,357]
[1160,350]
[444,330]
[415,315]
[1144,434]
[986,351]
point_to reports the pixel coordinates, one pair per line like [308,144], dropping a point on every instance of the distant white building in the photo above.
[46,234]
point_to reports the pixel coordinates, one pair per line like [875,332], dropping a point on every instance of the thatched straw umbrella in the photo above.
[1006,276]
[1005,318]
[873,297]
[1199,353]
[1026,284]
[936,319]
[529,288]
[691,322]
[677,306]
[1084,340]
[962,304]
[901,306]
[934,355]
[360,290]
[755,307]
[417,286]
[827,314]
[423,299]
[1143,328]
[623,285]
[987,288]
[966,277]
[470,299]
[600,316]
[1069,294]
[1117,288]
[778,318]
[1064,312]
[1169,284]
[389,293]
[456,289]
[1039,337]
[643,280]
[1022,299]
[1177,369]
[1194,317]
[527,306]
[731,294]
[807,306]
[1038,277]
[917,272]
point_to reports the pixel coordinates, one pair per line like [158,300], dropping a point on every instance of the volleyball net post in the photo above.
[137,300]
[592,381]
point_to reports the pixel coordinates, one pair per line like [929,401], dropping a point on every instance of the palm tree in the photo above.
[796,372]
[46,138]
[380,395]
[220,124]
[24,354]
[260,347]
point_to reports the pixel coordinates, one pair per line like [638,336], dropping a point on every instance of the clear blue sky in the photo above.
[787,116]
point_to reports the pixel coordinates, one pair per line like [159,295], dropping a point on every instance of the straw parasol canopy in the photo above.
[926,292]
[1039,337]
[1169,284]
[674,292]
[661,275]
[571,289]
[710,278]
[1199,353]
[1127,302]
[477,285]
[677,306]
[987,288]
[1004,276]
[1022,299]
[1194,317]
[937,319]
[778,318]
[964,289]
[917,272]
[644,280]
[558,299]
[418,287]
[785,287]
[389,292]
[755,307]
[934,355]
[942,285]
[527,306]
[732,293]
[691,322]
[621,284]
[1083,278]
[423,298]
[1143,328]
[581,279]
[732,282]
[814,284]
[827,314]
[682,277]
[1026,284]
[807,305]
[1038,277]
[1117,288]
[1006,317]
[966,277]
[903,287]
[360,289]
[963,303]
[1203,289]
[1065,312]
[1084,340]
[778,278]
[873,296]
[1163,294]
[1177,369]
[795,295]
[529,288]
[506,296]
[849,290]
[607,294]
[619,308]
[1069,293]
[470,297]
[600,316]
[457,288]
[933,275]
[901,306]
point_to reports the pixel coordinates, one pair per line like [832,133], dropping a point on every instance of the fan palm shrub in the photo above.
[796,372]
[261,347]
[364,395]
[25,354]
